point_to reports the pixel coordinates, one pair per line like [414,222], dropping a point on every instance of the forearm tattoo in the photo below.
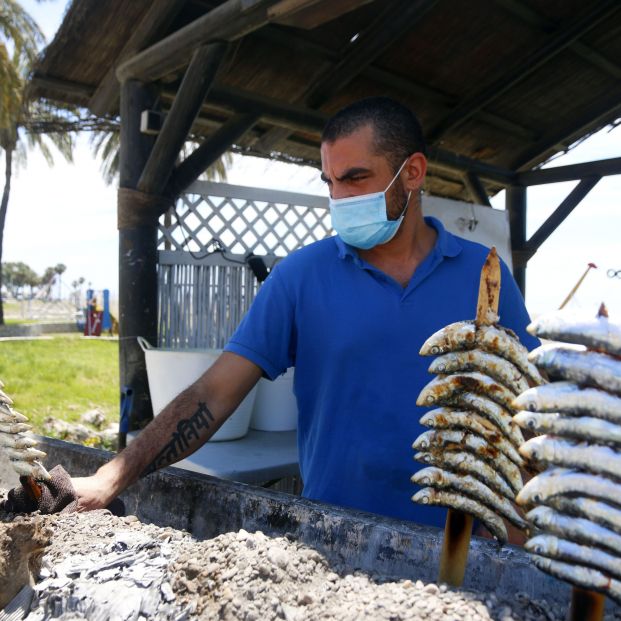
[186,434]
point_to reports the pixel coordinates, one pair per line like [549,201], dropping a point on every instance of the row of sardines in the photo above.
[488,394]
[17,444]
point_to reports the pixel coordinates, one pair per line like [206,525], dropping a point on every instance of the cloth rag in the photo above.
[57,496]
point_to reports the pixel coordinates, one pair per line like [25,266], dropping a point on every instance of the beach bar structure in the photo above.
[500,87]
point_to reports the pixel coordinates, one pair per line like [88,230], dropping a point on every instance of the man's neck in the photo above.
[400,257]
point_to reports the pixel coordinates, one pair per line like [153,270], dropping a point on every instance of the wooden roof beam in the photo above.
[394,21]
[160,13]
[571,172]
[195,164]
[293,116]
[476,189]
[598,12]
[594,120]
[532,17]
[408,86]
[559,215]
[186,106]
[227,22]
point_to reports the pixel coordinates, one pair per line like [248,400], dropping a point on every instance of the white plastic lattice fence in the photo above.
[205,285]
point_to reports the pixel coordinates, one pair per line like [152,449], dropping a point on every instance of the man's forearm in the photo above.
[179,430]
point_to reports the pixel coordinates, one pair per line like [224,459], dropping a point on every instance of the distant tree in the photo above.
[16,276]
[106,145]
[47,280]
[59,270]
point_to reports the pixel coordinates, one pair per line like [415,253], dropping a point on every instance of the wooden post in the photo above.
[516,206]
[586,605]
[458,527]
[137,255]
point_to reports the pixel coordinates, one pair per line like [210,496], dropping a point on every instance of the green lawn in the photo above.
[62,377]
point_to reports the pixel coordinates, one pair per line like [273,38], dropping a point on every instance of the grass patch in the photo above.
[62,377]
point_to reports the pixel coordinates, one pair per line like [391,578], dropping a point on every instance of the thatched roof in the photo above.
[506,82]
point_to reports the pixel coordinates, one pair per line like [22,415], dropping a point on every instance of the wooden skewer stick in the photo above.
[586,605]
[458,527]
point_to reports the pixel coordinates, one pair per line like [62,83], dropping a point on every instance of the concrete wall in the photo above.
[36,329]
[206,507]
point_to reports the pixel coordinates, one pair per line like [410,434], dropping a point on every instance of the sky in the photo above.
[67,214]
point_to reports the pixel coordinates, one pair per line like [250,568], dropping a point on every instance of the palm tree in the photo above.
[106,145]
[20,39]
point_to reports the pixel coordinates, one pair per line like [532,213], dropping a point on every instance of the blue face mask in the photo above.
[362,221]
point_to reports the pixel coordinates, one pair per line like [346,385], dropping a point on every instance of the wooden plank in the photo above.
[309,14]
[227,22]
[159,14]
[185,108]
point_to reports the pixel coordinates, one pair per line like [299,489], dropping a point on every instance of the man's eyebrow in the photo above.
[348,174]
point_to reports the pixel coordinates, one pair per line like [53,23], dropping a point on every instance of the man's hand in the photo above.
[92,492]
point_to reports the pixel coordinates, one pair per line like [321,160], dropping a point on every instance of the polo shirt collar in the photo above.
[446,245]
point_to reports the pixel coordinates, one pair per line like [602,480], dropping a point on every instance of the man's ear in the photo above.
[415,170]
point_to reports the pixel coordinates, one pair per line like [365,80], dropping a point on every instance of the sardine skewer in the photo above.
[495,413]
[445,386]
[563,481]
[14,440]
[448,418]
[557,452]
[593,332]
[454,440]
[580,576]
[574,529]
[561,549]
[570,399]
[599,512]
[468,464]
[468,485]
[9,415]
[496,367]
[14,427]
[579,428]
[430,496]
[465,335]
[588,368]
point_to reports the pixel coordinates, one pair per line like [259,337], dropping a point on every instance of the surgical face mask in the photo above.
[362,221]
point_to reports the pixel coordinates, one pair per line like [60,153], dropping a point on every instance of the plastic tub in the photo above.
[170,371]
[275,407]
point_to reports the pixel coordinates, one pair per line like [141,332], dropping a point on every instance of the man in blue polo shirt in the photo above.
[350,313]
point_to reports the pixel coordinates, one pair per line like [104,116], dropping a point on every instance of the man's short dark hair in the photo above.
[397,131]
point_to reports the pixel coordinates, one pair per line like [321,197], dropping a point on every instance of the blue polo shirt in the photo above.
[353,334]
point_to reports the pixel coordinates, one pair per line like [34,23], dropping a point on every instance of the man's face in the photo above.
[351,167]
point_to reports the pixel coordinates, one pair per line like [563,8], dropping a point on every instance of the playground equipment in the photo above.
[97,317]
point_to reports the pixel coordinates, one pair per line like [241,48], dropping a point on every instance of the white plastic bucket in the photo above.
[275,407]
[170,371]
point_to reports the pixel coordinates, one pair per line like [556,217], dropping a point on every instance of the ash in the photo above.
[98,566]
